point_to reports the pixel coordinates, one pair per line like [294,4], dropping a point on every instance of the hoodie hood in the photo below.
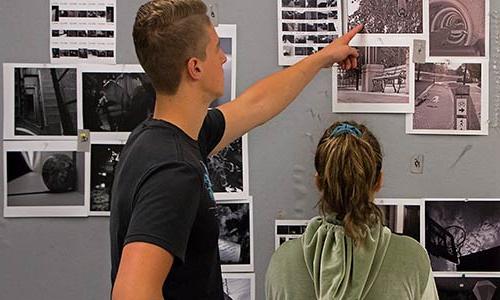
[338,269]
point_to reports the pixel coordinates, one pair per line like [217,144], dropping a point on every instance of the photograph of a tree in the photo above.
[386,16]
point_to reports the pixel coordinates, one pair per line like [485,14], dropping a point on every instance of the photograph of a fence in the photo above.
[470,288]
[40,101]
[457,28]
[448,97]
[380,83]
[463,236]
[386,16]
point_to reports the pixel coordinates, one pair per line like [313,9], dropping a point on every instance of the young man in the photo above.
[163,228]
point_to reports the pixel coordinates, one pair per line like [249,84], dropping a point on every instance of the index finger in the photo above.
[349,35]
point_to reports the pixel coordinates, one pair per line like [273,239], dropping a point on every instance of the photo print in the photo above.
[77,30]
[463,235]
[238,286]
[228,169]
[403,216]
[450,98]
[305,27]
[40,102]
[114,100]
[396,17]
[468,288]
[458,28]
[286,230]
[44,179]
[235,235]
[103,161]
[381,83]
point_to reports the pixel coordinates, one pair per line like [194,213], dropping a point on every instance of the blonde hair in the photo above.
[167,33]
[349,167]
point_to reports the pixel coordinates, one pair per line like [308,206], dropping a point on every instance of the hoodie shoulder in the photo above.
[287,277]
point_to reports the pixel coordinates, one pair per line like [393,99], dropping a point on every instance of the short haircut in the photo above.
[167,33]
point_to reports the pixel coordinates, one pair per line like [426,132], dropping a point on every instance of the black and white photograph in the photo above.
[381,82]
[386,16]
[458,28]
[450,98]
[463,235]
[40,101]
[114,99]
[228,169]
[403,216]
[238,286]
[44,179]
[286,230]
[235,235]
[296,18]
[103,161]
[74,20]
[468,288]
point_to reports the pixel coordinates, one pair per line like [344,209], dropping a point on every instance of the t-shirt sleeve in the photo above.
[166,204]
[212,130]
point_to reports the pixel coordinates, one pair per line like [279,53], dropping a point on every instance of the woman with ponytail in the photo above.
[346,252]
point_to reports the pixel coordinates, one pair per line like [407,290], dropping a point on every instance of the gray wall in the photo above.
[63,258]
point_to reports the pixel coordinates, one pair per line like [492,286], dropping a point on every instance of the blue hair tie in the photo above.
[345,128]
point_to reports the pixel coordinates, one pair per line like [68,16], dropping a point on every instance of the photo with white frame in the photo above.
[228,169]
[239,286]
[286,230]
[479,214]
[439,106]
[48,179]
[41,104]
[113,100]
[379,98]
[104,155]
[400,205]
[236,241]
[326,13]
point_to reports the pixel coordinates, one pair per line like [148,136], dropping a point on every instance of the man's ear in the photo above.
[380,182]
[194,68]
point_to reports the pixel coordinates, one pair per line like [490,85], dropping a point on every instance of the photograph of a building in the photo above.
[457,28]
[448,96]
[463,236]
[44,102]
[386,16]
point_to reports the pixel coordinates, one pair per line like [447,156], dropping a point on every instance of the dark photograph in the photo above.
[457,28]
[45,101]
[447,96]
[103,160]
[293,3]
[116,101]
[463,236]
[234,233]
[45,178]
[402,219]
[287,232]
[110,14]
[55,13]
[226,168]
[469,288]
[386,16]
[380,77]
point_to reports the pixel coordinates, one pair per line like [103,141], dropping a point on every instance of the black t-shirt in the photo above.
[161,195]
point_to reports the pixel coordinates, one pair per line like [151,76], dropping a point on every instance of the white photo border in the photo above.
[466,273]
[45,211]
[484,104]
[250,276]
[370,41]
[235,268]
[9,100]
[280,222]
